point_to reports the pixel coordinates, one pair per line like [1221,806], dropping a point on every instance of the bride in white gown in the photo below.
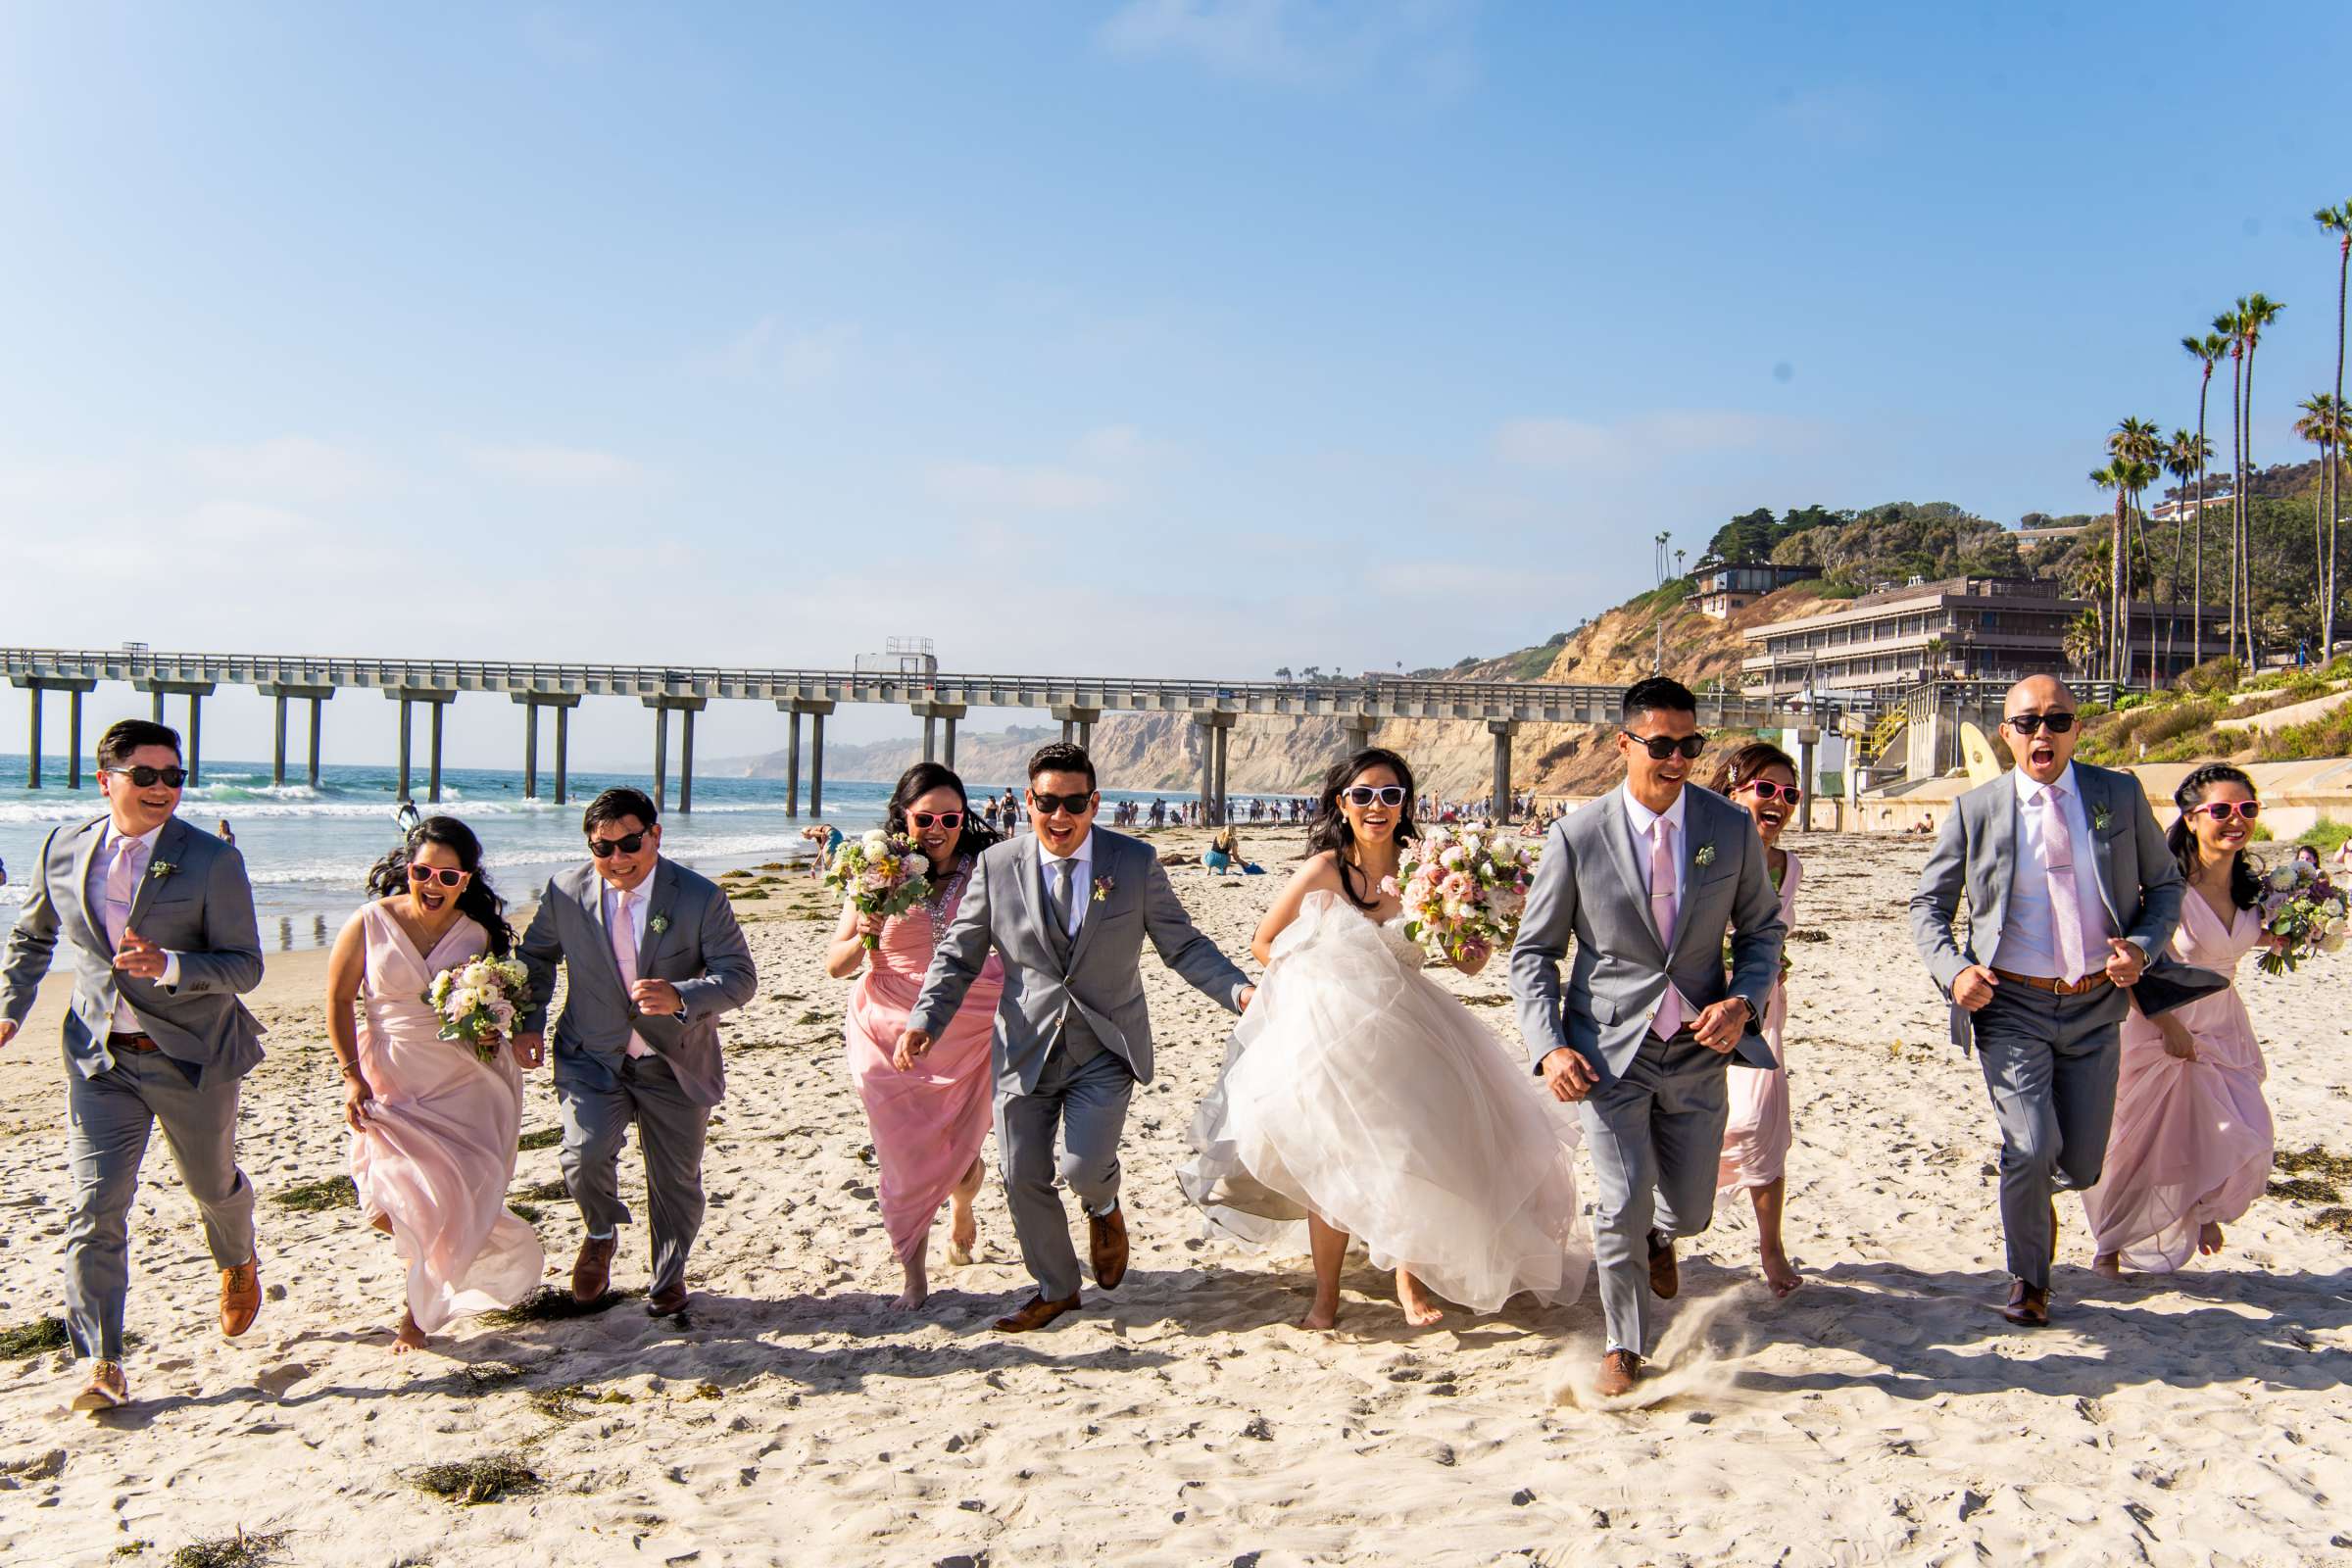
[1359,1098]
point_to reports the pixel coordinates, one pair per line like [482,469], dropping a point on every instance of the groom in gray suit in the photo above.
[1645,880]
[157,918]
[2071,891]
[653,957]
[1068,906]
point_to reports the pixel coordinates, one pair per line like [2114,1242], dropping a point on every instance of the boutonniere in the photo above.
[658,924]
[157,870]
[1102,888]
[1705,858]
[2101,818]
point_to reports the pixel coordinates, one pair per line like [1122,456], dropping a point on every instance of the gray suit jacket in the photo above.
[698,947]
[1004,907]
[1589,886]
[202,909]
[1976,854]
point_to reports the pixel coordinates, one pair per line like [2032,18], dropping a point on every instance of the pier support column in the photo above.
[1502,729]
[1357,728]
[815,708]
[407,697]
[933,714]
[191,739]
[662,707]
[73,737]
[1213,725]
[530,702]
[1224,747]
[1806,739]
[282,693]
[1077,723]
[562,751]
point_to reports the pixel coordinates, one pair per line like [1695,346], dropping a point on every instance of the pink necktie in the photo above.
[1663,910]
[2065,897]
[122,889]
[624,954]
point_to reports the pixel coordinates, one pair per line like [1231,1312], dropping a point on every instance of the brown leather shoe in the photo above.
[1665,1279]
[106,1390]
[1106,1238]
[2028,1306]
[1036,1313]
[668,1301]
[1619,1370]
[240,1296]
[592,1270]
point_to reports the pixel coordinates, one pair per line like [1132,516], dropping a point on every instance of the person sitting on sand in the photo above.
[1223,851]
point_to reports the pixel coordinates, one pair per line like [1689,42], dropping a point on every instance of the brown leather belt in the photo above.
[120,1041]
[2058,987]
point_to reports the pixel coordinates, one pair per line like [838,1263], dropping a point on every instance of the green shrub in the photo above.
[2212,676]
[2326,836]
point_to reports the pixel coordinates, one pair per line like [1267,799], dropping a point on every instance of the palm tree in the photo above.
[2254,313]
[1283,674]
[2141,444]
[2185,458]
[2082,635]
[2323,423]
[2336,220]
[2110,477]
[2208,351]
[2227,323]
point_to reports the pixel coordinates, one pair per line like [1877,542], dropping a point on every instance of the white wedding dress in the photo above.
[1359,1088]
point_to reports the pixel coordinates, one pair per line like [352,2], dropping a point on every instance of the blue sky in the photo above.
[1165,338]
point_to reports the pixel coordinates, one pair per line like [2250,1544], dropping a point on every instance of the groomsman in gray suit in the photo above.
[653,956]
[2071,891]
[156,920]
[1068,906]
[1645,881]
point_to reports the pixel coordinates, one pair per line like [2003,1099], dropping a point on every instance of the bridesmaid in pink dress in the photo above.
[2191,1144]
[432,1126]
[929,1117]
[1758,1132]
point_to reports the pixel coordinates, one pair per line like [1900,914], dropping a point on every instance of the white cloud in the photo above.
[560,468]
[289,466]
[1642,441]
[770,349]
[1036,487]
[1296,43]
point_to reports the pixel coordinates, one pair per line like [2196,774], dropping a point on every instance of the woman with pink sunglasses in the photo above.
[1757,1133]
[2191,1143]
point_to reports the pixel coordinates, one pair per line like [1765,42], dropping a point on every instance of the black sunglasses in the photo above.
[1047,804]
[442,874]
[2028,723]
[1661,747]
[1366,794]
[147,778]
[604,848]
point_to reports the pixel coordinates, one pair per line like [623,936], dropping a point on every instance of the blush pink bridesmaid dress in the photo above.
[1757,1131]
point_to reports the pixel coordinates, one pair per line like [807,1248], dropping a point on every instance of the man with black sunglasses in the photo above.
[1068,906]
[2071,889]
[651,957]
[1645,881]
[157,917]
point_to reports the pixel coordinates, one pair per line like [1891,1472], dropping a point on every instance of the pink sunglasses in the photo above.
[1767,790]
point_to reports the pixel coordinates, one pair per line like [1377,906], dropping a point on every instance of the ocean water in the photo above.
[307,852]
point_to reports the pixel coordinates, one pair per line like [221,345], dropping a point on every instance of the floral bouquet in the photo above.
[477,1002]
[1463,892]
[2303,914]
[882,873]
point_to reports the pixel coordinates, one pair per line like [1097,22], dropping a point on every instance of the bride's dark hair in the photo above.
[1329,830]
[2245,883]
[480,902]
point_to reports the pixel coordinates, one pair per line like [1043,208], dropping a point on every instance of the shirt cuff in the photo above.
[171,978]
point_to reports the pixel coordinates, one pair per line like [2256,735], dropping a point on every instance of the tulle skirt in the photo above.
[1359,1090]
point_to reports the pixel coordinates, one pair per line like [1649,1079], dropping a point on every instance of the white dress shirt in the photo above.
[1639,818]
[1082,881]
[124,1021]
[2029,934]
[608,906]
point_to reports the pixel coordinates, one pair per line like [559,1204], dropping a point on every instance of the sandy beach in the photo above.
[1884,1412]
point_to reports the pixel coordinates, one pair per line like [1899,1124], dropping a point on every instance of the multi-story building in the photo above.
[1724,591]
[1968,628]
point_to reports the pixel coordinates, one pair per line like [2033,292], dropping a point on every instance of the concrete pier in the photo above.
[530,702]
[662,707]
[191,737]
[1215,726]
[815,710]
[1077,723]
[436,698]
[281,693]
[75,690]
[933,714]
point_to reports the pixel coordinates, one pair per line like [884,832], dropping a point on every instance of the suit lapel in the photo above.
[170,844]
[1697,831]
[84,857]
[1617,830]
[1030,862]
[591,895]
[2096,794]
[661,892]
[1088,917]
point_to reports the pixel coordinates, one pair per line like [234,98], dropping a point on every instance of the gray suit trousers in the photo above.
[1084,1093]
[2051,1065]
[1656,1136]
[598,1108]
[109,1117]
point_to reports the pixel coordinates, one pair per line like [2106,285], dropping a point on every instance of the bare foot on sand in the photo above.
[1322,1314]
[408,1337]
[918,1286]
[1780,1273]
[963,1226]
[2209,1237]
[1420,1310]
[2108,1264]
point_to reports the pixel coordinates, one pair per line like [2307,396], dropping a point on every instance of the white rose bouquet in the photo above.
[2303,914]
[1463,892]
[882,873]
[478,1002]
